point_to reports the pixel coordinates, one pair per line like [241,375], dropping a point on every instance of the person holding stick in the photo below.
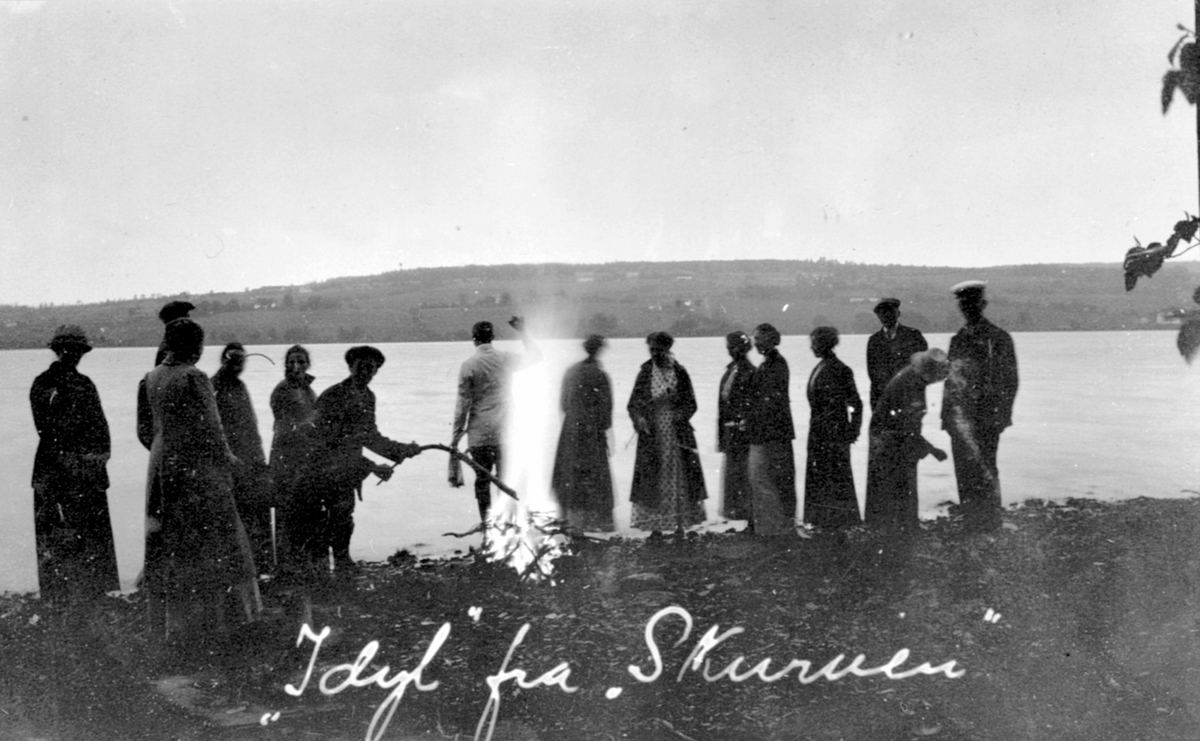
[344,424]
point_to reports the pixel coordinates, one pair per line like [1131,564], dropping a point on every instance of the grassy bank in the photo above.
[1075,621]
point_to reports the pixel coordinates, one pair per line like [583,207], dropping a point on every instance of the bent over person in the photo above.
[75,553]
[344,424]
[977,406]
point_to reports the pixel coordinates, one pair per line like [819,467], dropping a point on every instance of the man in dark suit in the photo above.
[977,406]
[891,348]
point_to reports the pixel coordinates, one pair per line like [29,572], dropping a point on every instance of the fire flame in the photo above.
[529,542]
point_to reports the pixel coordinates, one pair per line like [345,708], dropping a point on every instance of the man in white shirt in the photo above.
[483,399]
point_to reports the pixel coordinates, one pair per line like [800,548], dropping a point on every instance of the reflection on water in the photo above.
[1099,414]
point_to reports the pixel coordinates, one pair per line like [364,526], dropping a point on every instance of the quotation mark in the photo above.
[268,718]
[614,692]
[991,616]
[475,613]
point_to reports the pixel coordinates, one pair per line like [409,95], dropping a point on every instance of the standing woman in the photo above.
[209,582]
[293,403]
[896,442]
[75,553]
[582,478]
[837,415]
[668,482]
[734,400]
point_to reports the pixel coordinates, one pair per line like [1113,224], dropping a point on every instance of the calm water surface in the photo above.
[1107,415]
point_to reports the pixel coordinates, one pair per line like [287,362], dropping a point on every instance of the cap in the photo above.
[968,287]
[69,335]
[887,303]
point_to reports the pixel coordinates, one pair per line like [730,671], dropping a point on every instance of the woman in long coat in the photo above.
[582,478]
[293,404]
[209,582]
[668,483]
[735,398]
[896,442]
[837,415]
[75,553]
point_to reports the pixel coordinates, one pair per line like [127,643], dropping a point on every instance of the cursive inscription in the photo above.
[698,660]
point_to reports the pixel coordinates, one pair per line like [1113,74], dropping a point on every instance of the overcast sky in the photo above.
[194,146]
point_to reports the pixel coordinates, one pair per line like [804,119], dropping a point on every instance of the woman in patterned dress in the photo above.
[668,483]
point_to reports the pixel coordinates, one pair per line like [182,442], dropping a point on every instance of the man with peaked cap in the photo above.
[890,349]
[344,424]
[977,405]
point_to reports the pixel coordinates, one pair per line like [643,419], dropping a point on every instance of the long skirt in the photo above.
[892,480]
[772,474]
[829,498]
[75,552]
[675,510]
[735,485]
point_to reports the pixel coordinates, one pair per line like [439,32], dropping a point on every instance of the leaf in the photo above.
[1171,80]
[1143,261]
[1186,229]
[1188,340]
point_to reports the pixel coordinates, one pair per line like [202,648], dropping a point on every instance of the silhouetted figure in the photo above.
[293,404]
[837,415]
[668,482]
[484,394]
[170,311]
[977,406]
[896,444]
[770,432]
[344,424]
[582,478]
[251,483]
[734,399]
[890,349]
[208,578]
[75,553]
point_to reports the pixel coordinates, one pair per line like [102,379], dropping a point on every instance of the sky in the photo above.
[163,147]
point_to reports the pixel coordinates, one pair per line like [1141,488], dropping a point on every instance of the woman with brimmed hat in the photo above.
[75,553]
[896,444]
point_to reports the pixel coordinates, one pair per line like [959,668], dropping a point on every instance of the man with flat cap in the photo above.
[977,406]
[891,348]
[481,409]
[343,424]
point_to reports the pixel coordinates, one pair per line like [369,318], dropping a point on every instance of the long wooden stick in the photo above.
[480,470]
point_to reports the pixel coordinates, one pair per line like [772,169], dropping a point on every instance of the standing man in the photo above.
[770,433]
[891,348]
[344,424]
[251,487]
[733,405]
[977,406]
[483,399]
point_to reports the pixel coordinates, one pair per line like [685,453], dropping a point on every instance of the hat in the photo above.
[887,303]
[69,336]
[932,365]
[175,310]
[364,352]
[968,287]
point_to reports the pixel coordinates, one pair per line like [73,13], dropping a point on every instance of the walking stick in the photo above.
[455,453]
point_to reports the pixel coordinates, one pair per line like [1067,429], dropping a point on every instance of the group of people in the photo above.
[211,491]
[755,429]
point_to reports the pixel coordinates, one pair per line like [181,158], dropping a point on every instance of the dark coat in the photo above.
[642,407]
[983,380]
[732,410]
[72,526]
[582,478]
[293,404]
[835,423]
[344,424]
[770,417]
[896,447]
[885,357]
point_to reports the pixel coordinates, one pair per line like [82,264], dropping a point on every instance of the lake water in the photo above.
[1108,415]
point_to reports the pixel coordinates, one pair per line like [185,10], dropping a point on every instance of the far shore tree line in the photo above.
[687,299]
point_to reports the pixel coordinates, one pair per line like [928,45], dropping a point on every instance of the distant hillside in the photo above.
[703,298]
